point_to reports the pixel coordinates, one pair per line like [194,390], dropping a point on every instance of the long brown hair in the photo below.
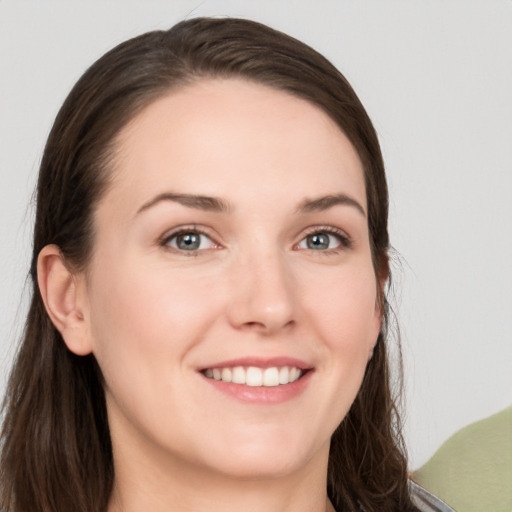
[56,449]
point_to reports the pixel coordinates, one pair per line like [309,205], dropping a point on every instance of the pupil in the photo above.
[189,241]
[318,241]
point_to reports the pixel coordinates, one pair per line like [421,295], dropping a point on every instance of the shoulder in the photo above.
[426,501]
[472,470]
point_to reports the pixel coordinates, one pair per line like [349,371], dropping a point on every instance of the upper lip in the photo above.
[261,362]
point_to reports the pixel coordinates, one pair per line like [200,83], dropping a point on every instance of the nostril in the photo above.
[266,327]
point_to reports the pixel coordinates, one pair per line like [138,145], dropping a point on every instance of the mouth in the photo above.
[255,380]
[254,376]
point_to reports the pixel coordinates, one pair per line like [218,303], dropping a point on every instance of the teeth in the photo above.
[226,375]
[238,376]
[271,377]
[254,376]
[284,373]
[294,374]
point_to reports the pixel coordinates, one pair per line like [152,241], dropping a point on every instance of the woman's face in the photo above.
[232,244]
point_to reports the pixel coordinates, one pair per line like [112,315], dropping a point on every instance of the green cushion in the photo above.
[472,471]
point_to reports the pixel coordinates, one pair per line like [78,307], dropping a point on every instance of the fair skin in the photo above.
[234,234]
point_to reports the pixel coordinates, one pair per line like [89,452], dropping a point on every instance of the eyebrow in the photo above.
[324,203]
[215,204]
[206,203]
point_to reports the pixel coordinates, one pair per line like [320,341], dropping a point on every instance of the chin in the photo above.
[261,468]
[268,460]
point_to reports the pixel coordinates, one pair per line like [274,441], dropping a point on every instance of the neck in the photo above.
[253,498]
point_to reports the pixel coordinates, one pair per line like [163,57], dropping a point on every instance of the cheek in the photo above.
[139,313]
[343,316]
[345,310]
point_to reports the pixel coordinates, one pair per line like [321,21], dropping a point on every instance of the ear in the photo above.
[63,294]
[382,279]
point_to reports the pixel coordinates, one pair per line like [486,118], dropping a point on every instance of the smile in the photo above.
[254,376]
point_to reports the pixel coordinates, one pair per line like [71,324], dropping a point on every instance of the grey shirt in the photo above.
[426,501]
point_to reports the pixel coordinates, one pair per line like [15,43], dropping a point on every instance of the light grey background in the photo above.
[436,78]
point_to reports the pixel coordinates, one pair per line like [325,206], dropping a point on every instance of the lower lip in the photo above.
[261,394]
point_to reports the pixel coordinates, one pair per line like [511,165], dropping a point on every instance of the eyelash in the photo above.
[165,240]
[345,241]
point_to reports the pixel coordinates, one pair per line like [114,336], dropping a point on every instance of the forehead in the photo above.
[217,137]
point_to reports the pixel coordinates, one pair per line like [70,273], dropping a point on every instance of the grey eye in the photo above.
[320,241]
[190,241]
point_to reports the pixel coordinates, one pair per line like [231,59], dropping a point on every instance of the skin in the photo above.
[154,315]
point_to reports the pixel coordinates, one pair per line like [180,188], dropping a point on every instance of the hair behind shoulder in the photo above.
[56,450]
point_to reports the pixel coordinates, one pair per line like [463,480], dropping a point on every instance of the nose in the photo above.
[263,297]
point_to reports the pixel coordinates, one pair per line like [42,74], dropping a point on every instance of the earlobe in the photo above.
[383,275]
[64,303]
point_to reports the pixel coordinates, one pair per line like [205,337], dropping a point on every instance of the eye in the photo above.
[189,241]
[324,240]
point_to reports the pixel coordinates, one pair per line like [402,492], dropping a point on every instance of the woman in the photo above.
[208,324]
